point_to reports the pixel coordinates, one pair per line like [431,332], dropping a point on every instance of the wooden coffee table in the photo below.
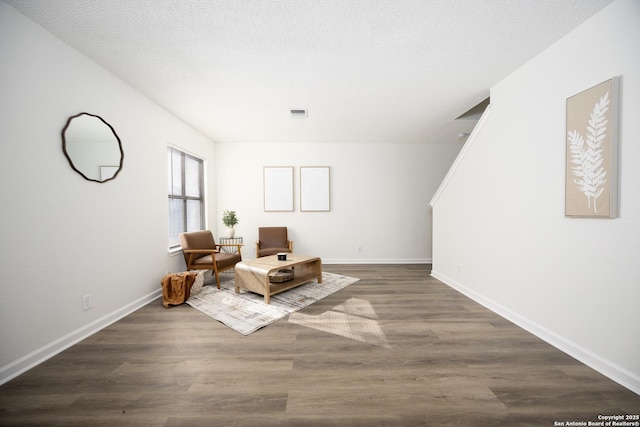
[253,275]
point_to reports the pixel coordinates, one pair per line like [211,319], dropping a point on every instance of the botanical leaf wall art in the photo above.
[592,152]
[587,158]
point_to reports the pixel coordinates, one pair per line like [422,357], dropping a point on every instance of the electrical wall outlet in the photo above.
[87,302]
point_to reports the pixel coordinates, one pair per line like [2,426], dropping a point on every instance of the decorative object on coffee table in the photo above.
[282,275]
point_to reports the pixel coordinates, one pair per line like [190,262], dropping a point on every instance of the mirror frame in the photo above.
[64,147]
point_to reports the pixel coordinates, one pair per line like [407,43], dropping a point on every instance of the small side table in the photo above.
[230,241]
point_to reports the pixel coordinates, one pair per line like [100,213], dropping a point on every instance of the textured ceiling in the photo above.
[366,70]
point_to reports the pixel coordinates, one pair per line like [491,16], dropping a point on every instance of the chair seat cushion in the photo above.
[272,251]
[223,260]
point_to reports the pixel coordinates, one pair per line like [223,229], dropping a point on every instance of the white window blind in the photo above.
[186,194]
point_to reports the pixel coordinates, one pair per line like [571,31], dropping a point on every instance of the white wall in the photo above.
[500,231]
[379,198]
[64,237]
[61,236]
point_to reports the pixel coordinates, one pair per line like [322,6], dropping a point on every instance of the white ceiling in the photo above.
[366,70]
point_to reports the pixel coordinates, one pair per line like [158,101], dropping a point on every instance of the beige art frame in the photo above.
[278,188]
[591,171]
[315,189]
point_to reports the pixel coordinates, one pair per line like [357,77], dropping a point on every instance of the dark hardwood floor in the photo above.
[429,357]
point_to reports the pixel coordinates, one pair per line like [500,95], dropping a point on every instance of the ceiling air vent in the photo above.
[299,113]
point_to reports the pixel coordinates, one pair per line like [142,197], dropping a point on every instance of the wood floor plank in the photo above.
[397,348]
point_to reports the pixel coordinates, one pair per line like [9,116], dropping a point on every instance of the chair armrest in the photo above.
[238,247]
[200,251]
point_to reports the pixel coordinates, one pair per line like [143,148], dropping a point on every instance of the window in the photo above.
[186,194]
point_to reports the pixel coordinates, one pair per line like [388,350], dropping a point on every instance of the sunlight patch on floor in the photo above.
[355,319]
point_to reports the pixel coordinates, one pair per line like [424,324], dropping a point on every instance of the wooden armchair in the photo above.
[201,253]
[272,240]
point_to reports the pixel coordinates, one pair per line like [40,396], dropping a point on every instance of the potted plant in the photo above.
[229,219]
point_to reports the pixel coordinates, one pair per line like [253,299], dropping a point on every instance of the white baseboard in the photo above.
[357,261]
[17,367]
[607,368]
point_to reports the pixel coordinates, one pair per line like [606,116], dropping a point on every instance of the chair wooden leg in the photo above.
[215,273]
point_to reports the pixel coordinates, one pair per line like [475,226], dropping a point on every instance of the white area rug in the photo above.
[246,312]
